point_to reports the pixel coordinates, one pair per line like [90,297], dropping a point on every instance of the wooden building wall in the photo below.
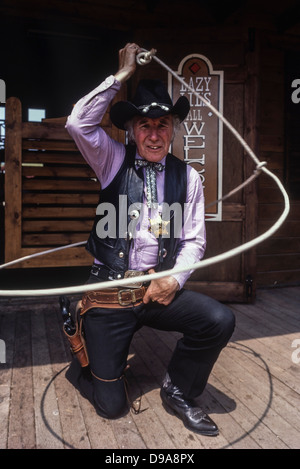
[278,259]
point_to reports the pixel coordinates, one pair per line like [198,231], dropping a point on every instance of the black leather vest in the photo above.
[113,250]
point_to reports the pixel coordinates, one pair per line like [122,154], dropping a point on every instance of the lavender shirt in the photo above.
[105,156]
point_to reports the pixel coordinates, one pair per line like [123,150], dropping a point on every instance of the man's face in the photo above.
[153,137]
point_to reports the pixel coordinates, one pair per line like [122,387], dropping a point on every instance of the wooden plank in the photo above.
[48,226]
[220,240]
[21,422]
[61,199]
[259,390]
[278,278]
[228,422]
[53,239]
[233,172]
[127,434]
[13,180]
[272,143]
[274,160]
[53,157]
[233,212]
[264,179]
[249,408]
[235,399]
[61,185]
[99,430]
[8,329]
[77,256]
[71,419]
[58,171]
[282,308]
[58,212]
[55,120]
[269,263]
[277,361]
[290,297]
[258,327]
[222,291]
[276,263]
[279,245]
[269,195]
[45,130]
[289,228]
[47,422]
[251,136]
[49,145]
[272,212]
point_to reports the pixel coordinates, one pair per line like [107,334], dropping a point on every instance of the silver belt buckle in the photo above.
[126,302]
[132,274]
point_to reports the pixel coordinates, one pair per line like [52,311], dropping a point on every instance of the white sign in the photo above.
[2,92]
[200,140]
[2,351]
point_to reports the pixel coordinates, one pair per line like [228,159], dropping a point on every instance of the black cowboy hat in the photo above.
[151,100]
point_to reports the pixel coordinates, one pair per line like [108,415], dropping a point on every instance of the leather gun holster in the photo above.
[77,341]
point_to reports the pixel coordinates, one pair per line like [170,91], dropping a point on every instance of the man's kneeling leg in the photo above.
[110,398]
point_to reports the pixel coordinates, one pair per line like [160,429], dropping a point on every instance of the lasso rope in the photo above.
[144,57]
[42,253]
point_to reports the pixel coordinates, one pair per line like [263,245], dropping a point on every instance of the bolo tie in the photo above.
[156,225]
[151,185]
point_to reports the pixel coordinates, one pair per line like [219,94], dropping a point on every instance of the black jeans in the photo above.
[206,325]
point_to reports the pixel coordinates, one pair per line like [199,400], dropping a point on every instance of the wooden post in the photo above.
[251,107]
[13,179]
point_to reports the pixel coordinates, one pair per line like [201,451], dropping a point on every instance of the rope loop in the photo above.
[144,57]
[260,166]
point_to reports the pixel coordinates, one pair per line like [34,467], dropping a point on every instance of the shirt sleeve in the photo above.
[193,240]
[102,153]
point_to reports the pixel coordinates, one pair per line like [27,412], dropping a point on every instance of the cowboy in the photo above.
[140,180]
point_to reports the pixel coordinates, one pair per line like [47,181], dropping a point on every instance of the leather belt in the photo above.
[112,298]
[104,273]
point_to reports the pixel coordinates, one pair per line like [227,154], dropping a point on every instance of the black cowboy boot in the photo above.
[192,416]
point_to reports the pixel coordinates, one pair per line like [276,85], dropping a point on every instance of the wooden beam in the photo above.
[13,178]
[251,133]
[221,291]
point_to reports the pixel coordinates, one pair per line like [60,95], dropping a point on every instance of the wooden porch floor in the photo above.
[253,393]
